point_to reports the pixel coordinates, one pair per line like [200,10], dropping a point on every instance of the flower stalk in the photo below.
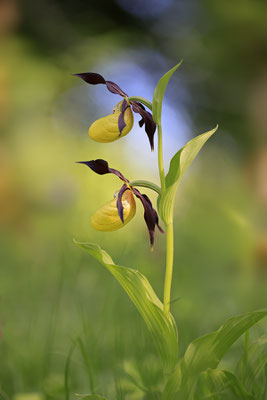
[160,160]
[169,267]
[169,231]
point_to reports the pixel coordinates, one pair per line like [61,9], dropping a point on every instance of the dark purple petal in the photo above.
[121,121]
[114,88]
[150,215]
[154,213]
[157,221]
[119,201]
[95,79]
[150,126]
[118,173]
[91,77]
[101,167]
[141,122]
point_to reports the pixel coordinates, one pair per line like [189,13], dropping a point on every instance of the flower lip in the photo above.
[94,78]
[107,219]
[101,167]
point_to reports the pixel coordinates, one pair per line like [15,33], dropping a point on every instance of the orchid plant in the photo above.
[194,375]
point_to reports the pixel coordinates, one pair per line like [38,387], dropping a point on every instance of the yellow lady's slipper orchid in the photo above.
[106,129]
[119,211]
[107,217]
[118,124]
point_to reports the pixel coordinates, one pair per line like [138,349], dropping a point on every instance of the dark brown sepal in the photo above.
[114,88]
[94,79]
[150,126]
[91,77]
[150,215]
[101,167]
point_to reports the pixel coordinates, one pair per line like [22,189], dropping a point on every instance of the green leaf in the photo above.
[162,327]
[178,166]
[159,94]
[252,366]
[218,384]
[207,351]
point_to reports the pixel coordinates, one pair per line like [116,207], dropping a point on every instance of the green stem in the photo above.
[142,100]
[169,232]
[169,267]
[169,227]
[160,160]
[146,184]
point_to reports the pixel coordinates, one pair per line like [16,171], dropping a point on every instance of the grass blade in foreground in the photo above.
[180,162]
[207,351]
[220,385]
[162,328]
[252,368]
[91,397]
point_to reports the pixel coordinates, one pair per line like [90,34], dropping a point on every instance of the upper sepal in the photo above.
[101,167]
[95,79]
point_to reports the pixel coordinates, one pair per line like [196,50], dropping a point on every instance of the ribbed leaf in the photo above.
[217,384]
[252,367]
[159,94]
[178,166]
[162,328]
[207,351]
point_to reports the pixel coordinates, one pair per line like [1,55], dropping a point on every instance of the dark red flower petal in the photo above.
[150,126]
[94,79]
[114,88]
[141,122]
[91,77]
[121,122]
[119,201]
[150,215]
[101,167]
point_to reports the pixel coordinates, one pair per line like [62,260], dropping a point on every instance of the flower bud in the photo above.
[106,129]
[107,217]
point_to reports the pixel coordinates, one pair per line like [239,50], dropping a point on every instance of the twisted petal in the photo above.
[121,121]
[101,167]
[107,218]
[95,79]
[150,215]
[119,201]
[150,126]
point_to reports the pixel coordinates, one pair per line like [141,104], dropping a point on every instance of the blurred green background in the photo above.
[50,291]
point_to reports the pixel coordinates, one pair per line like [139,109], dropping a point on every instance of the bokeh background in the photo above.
[50,291]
